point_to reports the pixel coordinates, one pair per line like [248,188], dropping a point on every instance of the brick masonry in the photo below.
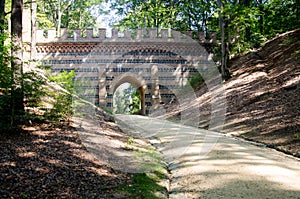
[157,63]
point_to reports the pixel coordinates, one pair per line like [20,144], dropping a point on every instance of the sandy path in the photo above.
[205,164]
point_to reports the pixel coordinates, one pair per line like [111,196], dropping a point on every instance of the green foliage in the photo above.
[129,143]
[43,21]
[248,24]
[68,14]
[296,53]
[136,102]
[257,40]
[196,81]
[141,14]
[280,16]
[62,108]
[242,19]
[65,79]
[7,82]
[288,42]
[23,89]
[122,101]
[194,15]
[107,110]
[34,89]
[126,100]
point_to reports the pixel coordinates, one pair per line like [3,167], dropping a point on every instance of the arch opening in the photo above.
[127,99]
[126,94]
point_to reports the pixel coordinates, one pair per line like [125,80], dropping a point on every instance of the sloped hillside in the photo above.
[263,94]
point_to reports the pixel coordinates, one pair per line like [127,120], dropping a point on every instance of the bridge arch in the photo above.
[148,68]
[180,54]
[133,79]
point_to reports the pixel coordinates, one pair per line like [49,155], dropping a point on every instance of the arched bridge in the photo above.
[156,62]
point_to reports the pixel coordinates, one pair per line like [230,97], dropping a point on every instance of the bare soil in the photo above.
[263,95]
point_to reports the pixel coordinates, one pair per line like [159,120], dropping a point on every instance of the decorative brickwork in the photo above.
[157,63]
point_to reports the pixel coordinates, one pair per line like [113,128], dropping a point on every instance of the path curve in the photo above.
[233,168]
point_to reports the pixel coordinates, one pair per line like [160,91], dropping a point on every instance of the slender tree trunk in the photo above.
[80,16]
[33,30]
[246,3]
[2,15]
[16,19]
[223,41]
[261,19]
[17,92]
[2,21]
[298,10]
[59,13]
[67,16]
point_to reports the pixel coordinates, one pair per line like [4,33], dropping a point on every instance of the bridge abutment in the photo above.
[156,62]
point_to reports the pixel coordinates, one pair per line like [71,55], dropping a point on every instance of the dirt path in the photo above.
[205,164]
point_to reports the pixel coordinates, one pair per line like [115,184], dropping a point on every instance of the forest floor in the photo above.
[262,96]
[51,160]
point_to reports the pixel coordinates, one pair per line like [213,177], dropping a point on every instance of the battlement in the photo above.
[100,35]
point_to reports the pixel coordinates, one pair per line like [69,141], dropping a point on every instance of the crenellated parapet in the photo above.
[101,35]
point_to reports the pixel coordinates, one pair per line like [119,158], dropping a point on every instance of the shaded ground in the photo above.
[46,161]
[263,95]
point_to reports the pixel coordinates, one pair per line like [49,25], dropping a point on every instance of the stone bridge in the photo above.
[158,63]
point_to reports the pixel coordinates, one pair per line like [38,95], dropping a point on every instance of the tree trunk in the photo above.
[33,30]
[246,3]
[17,92]
[2,15]
[2,22]
[223,41]
[298,11]
[261,19]
[59,13]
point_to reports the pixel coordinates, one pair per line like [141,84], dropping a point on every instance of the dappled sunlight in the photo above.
[43,170]
[292,82]
[51,161]
[278,174]
[55,162]
[210,165]
[8,164]
[262,98]
[237,165]
[71,144]
[27,154]
[126,153]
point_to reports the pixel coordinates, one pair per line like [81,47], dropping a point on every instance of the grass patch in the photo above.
[144,186]
[288,41]
[151,183]
[107,110]
[296,135]
[296,54]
